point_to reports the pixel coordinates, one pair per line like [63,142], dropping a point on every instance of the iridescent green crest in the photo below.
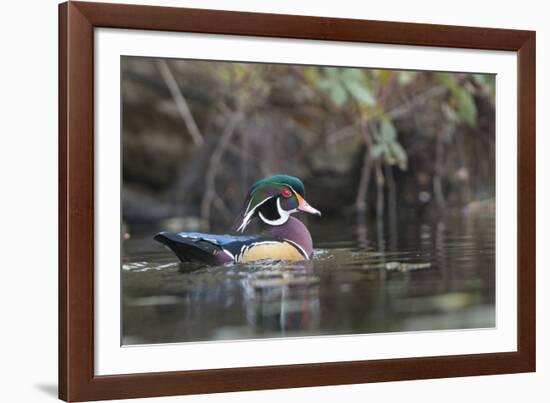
[268,188]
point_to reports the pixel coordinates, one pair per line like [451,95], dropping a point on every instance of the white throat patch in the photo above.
[283,215]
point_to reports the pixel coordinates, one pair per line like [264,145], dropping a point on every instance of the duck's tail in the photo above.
[191,249]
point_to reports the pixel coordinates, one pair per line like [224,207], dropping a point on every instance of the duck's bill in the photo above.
[304,206]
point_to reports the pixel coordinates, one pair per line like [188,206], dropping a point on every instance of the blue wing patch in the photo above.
[220,240]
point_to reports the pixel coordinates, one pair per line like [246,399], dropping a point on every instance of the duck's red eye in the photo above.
[286,193]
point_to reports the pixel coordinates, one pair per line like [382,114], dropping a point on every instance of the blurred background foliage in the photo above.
[384,143]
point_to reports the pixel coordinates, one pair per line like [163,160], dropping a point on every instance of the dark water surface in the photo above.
[428,275]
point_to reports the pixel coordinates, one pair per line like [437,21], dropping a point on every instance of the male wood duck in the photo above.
[270,202]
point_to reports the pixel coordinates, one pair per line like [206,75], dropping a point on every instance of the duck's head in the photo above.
[273,200]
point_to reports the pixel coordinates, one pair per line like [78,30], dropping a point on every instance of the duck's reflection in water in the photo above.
[283,303]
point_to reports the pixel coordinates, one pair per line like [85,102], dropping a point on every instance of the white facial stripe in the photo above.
[248,206]
[249,214]
[283,215]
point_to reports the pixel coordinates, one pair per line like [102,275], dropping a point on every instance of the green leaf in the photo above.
[360,92]
[467,109]
[447,80]
[387,154]
[487,84]
[400,154]
[465,104]
[325,84]
[377,150]
[387,130]
[338,95]
[332,72]
[479,78]
[351,75]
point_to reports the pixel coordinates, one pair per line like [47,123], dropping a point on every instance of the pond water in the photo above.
[426,275]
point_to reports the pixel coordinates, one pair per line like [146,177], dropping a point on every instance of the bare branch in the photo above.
[342,134]
[347,132]
[419,99]
[180,101]
[215,164]
[363,188]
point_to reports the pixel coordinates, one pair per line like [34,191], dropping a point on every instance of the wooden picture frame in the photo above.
[77,21]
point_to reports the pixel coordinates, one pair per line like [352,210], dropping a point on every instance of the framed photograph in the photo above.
[254,201]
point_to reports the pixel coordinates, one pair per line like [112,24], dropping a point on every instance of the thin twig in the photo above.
[220,204]
[397,112]
[363,188]
[180,101]
[379,191]
[439,169]
[214,165]
[341,134]
[419,99]
[392,204]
